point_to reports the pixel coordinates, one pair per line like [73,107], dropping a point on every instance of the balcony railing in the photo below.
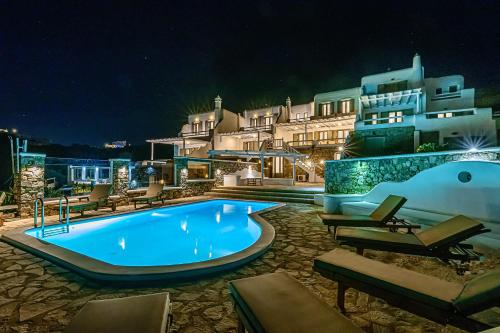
[194,134]
[309,143]
[333,115]
[448,95]
[303,143]
[387,120]
[258,128]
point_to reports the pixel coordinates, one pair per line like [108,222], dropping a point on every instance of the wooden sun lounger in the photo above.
[93,201]
[427,296]
[382,217]
[153,193]
[144,314]
[277,303]
[441,240]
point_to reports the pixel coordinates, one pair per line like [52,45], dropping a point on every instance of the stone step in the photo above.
[260,197]
[265,193]
[270,189]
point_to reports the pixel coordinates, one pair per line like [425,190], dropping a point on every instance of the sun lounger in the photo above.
[93,201]
[277,303]
[145,314]
[441,240]
[382,217]
[427,296]
[6,208]
[153,193]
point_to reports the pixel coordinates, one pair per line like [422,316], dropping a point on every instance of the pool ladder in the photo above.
[42,217]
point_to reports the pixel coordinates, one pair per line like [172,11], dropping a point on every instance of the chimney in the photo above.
[218,108]
[288,109]
[419,71]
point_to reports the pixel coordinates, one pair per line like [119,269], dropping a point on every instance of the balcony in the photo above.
[334,115]
[386,120]
[197,134]
[316,143]
[258,128]
[448,95]
[410,98]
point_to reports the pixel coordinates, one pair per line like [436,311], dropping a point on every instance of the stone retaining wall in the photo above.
[357,176]
[29,182]
[119,176]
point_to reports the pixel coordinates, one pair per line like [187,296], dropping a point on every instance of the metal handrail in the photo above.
[42,215]
[67,210]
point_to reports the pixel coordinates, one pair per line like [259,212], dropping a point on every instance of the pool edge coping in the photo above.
[102,271]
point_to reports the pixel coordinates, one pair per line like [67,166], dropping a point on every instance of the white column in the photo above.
[294,171]
[360,109]
[152,151]
[262,161]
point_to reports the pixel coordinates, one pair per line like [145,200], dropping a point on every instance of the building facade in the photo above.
[389,113]
[401,110]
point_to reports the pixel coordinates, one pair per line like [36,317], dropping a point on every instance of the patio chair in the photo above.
[93,201]
[145,314]
[381,217]
[441,240]
[277,303]
[153,193]
[427,296]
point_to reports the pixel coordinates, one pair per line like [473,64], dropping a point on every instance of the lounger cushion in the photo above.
[386,210]
[348,220]
[277,303]
[480,293]
[450,231]
[379,238]
[145,314]
[345,265]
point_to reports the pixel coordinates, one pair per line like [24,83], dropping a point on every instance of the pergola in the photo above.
[261,155]
[181,141]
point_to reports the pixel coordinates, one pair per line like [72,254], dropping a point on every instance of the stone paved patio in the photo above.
[37,296]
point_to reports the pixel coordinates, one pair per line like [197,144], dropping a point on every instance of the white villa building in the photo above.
[403,106]
[391,112]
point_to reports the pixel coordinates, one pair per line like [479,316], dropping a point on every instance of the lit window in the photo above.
[306,115]
[449,114]
[253,122]
[323,135]
[325,109]
[440,115]
[345,106]
[268,120]
[395,117]
[337,156]
[210,124]
[297,116]
[374,117]
[196,127]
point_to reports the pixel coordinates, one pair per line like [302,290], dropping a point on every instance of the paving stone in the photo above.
[214,313]
[35,271]
[15,267]
[30,310]
[42,297]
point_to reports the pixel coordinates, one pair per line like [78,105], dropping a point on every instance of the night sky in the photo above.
[97,71]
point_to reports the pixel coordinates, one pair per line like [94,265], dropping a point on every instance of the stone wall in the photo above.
[221,168]
[29,182]
[357,176]
[119,175]
[396,140]
[218,168]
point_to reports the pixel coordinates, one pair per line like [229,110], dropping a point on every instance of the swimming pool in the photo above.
[190,238]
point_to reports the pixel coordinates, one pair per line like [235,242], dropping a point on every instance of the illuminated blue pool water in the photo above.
[164,236]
